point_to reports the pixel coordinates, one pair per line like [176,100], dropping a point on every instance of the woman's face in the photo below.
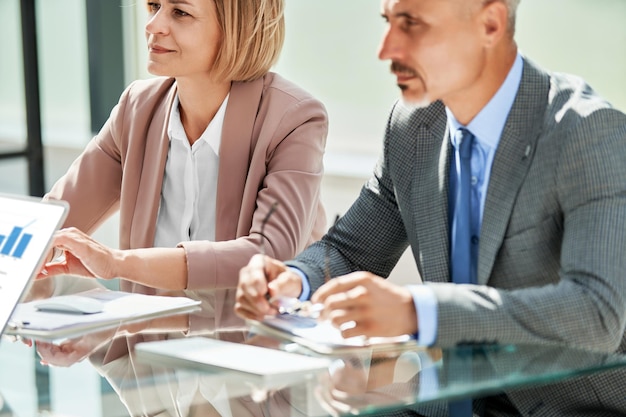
[183,37]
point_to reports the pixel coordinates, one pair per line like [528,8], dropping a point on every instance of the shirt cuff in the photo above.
[306,287]
[426,308]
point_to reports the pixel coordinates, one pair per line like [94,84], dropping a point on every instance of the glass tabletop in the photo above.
[99,374]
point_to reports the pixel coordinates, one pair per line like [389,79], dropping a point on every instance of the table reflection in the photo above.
[415,381]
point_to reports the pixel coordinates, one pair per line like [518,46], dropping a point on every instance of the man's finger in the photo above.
[339,285]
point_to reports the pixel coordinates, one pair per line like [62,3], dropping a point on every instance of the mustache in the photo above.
[398,67]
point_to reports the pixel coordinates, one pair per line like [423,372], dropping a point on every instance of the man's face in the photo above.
[434,47]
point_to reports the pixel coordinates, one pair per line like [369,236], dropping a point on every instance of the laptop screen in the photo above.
[26,228]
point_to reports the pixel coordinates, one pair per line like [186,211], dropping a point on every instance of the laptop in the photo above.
[27,225]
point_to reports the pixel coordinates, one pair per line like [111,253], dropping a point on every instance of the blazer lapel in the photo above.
[235,150]
[152,172]
[511,163]
[430,194]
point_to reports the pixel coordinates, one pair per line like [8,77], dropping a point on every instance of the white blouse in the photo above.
[189,192]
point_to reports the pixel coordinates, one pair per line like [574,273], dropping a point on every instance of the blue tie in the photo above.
[461,252]
[461,255]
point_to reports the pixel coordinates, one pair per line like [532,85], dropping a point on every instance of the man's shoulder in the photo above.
[572,95]
[561,101]
[405,115]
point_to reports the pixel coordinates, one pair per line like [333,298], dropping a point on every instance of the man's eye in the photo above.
[410,24]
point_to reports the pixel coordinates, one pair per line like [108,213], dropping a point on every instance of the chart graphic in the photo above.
[15,242]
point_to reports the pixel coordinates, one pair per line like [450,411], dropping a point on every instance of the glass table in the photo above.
[98,374]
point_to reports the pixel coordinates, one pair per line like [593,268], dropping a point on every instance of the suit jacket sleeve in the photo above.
[370,237]
[286,167]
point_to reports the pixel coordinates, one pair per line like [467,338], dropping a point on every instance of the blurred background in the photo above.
[89,50]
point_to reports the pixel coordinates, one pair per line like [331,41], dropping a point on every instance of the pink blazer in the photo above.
[272,146]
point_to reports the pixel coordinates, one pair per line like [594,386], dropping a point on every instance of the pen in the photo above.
[290,305]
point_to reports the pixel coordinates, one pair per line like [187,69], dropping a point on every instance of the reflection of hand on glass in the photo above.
[73,351]
[358,382]
[39,289]
[352,385]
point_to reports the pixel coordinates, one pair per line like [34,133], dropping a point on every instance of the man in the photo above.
[541,256]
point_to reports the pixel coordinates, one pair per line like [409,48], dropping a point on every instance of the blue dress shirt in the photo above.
[487,129]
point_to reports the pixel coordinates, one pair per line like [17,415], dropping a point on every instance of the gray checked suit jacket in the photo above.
[552,250]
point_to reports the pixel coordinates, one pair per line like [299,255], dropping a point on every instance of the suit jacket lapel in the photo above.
[235,150]
[511,163]
[430,191]
[152,172]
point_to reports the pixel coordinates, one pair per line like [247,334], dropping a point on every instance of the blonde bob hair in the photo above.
[253,33]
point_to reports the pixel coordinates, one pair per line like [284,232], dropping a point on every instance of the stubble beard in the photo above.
[417,102]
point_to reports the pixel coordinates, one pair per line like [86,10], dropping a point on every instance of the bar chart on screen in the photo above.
[18,236]
[14,239]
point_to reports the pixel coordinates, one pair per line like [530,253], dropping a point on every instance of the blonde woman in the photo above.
[195,158]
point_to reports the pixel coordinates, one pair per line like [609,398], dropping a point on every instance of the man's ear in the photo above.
[495,21]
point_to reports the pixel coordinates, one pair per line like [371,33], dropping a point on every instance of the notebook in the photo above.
[232,361]
[118,307]
[26,228]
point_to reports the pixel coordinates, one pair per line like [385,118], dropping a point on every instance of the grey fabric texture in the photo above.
[552,251]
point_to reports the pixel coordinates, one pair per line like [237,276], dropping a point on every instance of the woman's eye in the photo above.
[181,13]
[153,7]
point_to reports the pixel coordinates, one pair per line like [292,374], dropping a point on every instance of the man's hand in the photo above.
[373,305]
[259,281]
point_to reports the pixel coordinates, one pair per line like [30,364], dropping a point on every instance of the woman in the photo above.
[194,159]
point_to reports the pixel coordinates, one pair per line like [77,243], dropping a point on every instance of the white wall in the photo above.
[330,50]
[583,37]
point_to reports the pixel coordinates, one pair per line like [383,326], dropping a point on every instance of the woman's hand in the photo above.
[83,256]
[73,351]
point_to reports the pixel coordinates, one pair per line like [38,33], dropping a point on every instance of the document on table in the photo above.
[231,361]
[119,307]
[323,337]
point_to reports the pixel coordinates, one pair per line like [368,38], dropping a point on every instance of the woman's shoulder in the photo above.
[276,89]
[149,91]
[274,82]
